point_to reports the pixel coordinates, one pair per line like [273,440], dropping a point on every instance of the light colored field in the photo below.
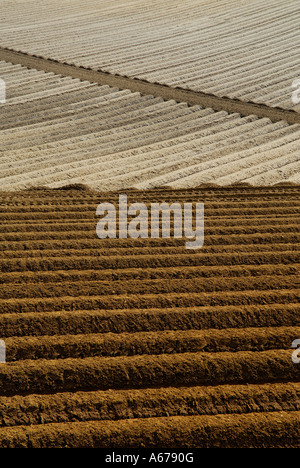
[57,131]
[241,49]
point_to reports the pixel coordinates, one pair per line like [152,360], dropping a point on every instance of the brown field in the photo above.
[140,342]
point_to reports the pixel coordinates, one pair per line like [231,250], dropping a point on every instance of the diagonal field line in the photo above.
[218,103]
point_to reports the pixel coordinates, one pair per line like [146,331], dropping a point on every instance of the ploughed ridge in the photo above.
[141,342]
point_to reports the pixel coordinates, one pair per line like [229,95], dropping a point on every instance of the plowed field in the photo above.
[58,130]
[141,342]
[241,49]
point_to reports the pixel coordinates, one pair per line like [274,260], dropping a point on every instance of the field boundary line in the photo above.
[144,87]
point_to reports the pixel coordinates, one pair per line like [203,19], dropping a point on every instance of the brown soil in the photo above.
[129,343]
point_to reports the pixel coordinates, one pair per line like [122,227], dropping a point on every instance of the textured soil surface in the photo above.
[141,342]
[58,130]
[246,50]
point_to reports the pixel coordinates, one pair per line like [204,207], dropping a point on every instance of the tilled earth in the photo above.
[141,342]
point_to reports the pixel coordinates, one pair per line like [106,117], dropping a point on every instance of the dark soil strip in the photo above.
[278,429]
[152,403]
[147,371]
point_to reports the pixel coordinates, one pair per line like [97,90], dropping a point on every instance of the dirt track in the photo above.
[275,114]
[110,330]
